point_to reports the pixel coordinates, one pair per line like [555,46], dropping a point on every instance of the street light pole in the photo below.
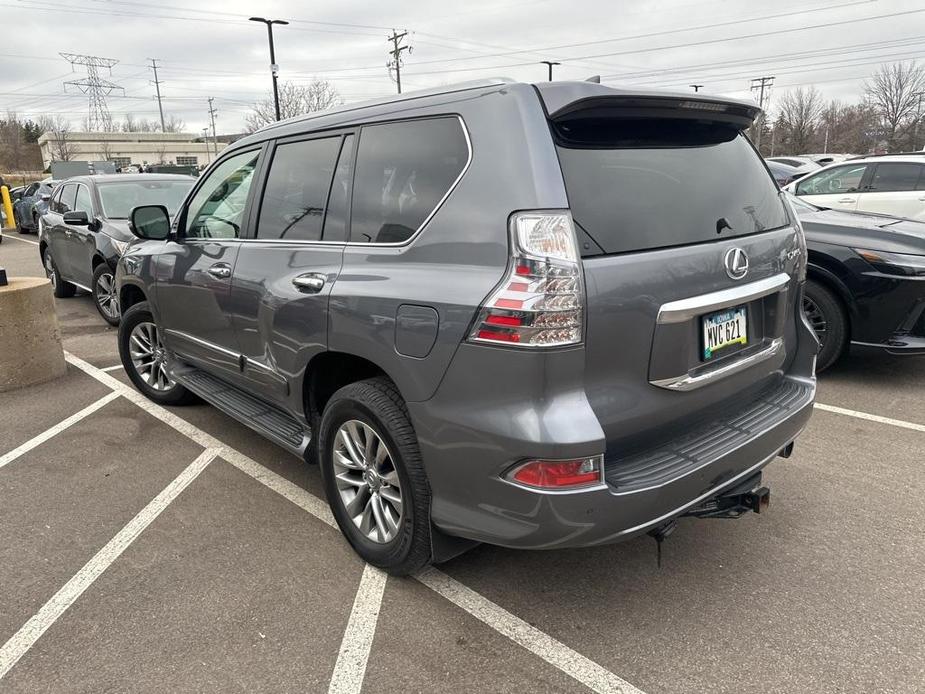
[274,68]
[549,63]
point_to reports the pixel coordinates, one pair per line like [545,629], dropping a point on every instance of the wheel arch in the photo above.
[831,282]
[129,295]
[329,371]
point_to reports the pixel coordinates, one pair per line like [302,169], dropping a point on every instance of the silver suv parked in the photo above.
[538,316]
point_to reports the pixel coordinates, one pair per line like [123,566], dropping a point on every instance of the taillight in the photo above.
[540,302]
[558,474]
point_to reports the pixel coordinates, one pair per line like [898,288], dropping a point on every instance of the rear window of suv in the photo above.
[644,184]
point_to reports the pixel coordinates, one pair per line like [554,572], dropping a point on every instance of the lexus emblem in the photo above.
[736,263]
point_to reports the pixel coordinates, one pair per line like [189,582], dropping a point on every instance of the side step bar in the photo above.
[277,425]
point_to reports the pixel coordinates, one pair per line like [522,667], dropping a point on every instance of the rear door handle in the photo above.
[847,200]
[220,271]
[310,282]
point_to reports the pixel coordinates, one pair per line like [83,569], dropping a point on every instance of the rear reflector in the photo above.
[558,474]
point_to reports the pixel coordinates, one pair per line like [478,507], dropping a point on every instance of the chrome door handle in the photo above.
[847,200]
[220,271]
[309,282]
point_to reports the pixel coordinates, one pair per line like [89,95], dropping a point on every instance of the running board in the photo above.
[278,426]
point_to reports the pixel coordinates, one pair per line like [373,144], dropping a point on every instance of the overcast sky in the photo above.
[213,50]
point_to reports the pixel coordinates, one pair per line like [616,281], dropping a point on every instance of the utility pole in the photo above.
[918,119]
[549,63]
[274,68]
[212,113]
[696,87]
[157,87]
[760,84]
[396,52]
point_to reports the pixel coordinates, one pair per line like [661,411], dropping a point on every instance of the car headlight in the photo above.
[894,263]
[120,246]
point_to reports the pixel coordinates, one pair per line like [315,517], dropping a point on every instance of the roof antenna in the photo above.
[594,78]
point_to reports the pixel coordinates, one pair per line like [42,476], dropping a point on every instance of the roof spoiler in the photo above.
[579,100]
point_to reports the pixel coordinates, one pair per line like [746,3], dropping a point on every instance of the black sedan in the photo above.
[85,230]
[865,281]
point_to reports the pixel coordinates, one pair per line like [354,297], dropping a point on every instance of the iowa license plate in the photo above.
[724,329]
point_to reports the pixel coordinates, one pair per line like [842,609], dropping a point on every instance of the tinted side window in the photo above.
[55,202]
[403,170]
[335,219]
[217,209]
[31,190]
[894,177]
[66,201]
[83,203]
[297,189]
[841,179]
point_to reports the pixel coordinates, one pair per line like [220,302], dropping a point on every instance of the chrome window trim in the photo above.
[684,309]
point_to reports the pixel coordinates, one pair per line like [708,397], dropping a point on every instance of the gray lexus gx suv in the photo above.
[537,316]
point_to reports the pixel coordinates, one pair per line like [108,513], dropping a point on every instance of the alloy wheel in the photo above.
[106,296]
[149,356]
[367,481]
[50,269]
[816,318]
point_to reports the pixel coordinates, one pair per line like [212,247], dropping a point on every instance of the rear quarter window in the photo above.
[655,183]
[403,172]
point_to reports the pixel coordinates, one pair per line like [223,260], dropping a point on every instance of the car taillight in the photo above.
[558,474]
[540,302]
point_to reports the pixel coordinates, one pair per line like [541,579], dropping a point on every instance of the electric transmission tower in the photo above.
[96,88]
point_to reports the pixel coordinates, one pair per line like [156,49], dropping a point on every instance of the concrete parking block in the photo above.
[231,589]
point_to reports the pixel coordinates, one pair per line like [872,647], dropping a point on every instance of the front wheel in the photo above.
[373,476]
[105,296]
[829,321]
[144,358]
[62,288]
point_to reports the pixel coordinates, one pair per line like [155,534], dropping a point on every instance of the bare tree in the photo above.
[62,147]
[161,150]
[799,114]
[12,142]
[894,92]
[294,100]
[174,124]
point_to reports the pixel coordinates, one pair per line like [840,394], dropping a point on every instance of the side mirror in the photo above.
[78,218]
[150,222]
[45,197]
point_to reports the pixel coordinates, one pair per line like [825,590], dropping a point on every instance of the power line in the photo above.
[396,52]
[157,86]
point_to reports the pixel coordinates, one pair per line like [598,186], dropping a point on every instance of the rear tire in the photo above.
[105,297]
[62,288]
[382,508]
[144,359]
[826,314]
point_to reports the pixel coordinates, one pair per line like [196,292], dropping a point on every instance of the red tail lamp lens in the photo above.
[558,474]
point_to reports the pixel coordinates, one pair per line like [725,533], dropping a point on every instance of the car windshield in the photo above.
[119,198]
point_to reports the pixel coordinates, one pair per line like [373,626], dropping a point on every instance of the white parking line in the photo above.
[871,417]
[114,367]
[7,458]
[38,624]
[555,653]
[558,654]
[19,238]
[350,668]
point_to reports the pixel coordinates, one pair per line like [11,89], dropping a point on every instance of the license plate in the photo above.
[724,329]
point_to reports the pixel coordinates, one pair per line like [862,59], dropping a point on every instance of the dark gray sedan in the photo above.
[85,230]
[32,204]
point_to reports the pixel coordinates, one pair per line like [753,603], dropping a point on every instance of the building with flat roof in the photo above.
[124,149]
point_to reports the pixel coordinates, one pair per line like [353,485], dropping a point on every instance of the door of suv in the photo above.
[79,241]
[193,273]
[838,187]
[896,188]
[286,269]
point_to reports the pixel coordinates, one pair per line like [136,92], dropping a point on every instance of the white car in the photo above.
[889,184]
[803,165]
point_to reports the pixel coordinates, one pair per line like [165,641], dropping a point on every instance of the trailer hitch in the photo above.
[735,502]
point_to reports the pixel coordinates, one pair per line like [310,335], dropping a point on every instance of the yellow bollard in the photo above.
[7,206]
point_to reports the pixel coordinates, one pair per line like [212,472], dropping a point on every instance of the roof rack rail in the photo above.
[920,153]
